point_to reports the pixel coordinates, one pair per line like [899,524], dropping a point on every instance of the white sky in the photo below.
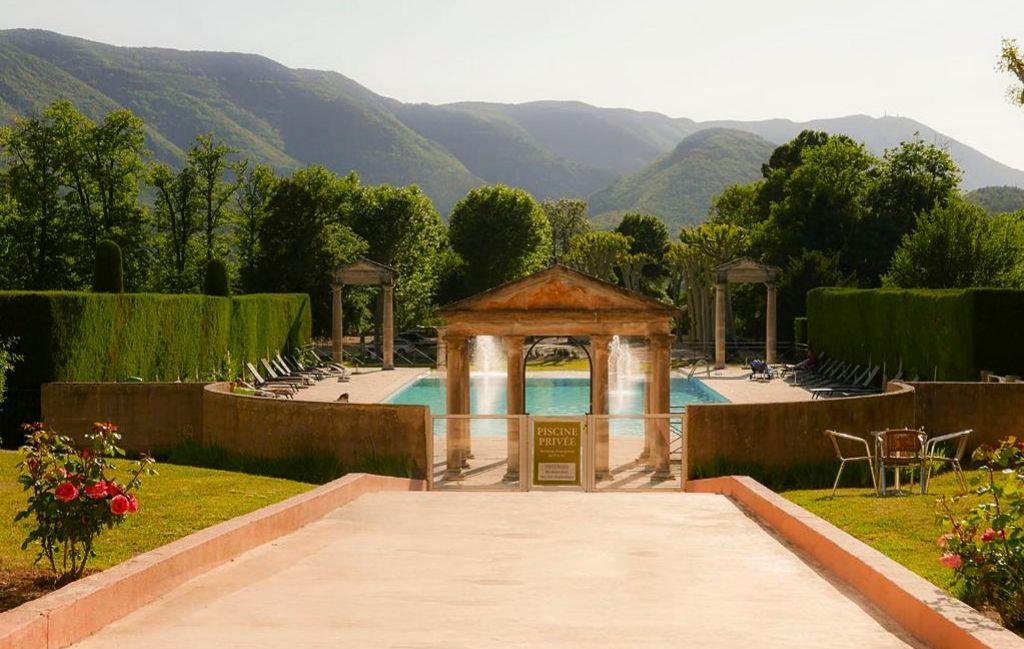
[932,61]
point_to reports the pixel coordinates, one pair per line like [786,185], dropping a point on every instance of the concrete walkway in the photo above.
[540,569]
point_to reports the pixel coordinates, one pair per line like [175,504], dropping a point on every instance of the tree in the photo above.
[39,227]
[568,217]
[216,281]
[598,253]
[251,200]
[177,223]
[108,276]
[738,205]
[402,230]
[208,160]
[303,238]
[648,238]
[501,233]
[1011,60]
[957,246]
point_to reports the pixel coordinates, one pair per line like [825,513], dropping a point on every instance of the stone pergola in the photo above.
[365,273]
[745,271]
[558,301]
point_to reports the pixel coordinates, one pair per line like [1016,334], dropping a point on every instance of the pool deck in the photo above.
[372,385]
[515,570]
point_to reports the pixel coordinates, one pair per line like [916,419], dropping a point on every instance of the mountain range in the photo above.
[620,159]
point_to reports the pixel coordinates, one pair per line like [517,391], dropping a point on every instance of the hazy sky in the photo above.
[933,61]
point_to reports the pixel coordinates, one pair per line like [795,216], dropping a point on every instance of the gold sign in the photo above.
[556,452]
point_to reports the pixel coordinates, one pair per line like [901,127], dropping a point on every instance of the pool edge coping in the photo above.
[924,610]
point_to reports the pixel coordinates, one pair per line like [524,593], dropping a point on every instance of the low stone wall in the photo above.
[352,432]
[154,417]
[993,410]
[775,438]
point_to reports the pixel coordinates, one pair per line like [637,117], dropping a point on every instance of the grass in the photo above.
[175,503]
[561,365]
[903,528]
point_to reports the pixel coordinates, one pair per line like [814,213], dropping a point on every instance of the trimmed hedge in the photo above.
[72,336]
[800,330]
[948,334]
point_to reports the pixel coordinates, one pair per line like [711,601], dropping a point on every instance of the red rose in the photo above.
[85,453]
[991,534]
[951,560]
[65,492]
[119,505]
[113,489]
[133,504]
[97,490]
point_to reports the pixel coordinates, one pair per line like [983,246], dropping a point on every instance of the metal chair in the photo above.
[835,437]
[931,454]
[898,448]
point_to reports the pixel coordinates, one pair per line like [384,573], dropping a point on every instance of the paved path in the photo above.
[469,570]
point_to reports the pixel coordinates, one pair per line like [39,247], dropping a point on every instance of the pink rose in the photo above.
[119,505]
[951,561]
[65,492]
[133,504]
[943,540]
[991,534]
[97,490]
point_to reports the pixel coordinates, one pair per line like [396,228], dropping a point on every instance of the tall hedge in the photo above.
[70,336]
[949,334]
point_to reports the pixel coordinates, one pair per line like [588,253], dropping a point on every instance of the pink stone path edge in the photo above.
[920,607]
[79,609]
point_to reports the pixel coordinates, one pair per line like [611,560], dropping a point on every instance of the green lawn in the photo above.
[175,503]
[566,365]
[904,528]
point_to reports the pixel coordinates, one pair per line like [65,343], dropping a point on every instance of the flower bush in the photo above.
[72,494]
[985,547]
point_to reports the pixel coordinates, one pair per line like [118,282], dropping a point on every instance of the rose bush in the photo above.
[985,548]
[73,495]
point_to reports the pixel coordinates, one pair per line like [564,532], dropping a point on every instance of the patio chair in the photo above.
[835,437]
[297,381]
[325,361]
[932,455]
[860,385]
[898,448]
[285,370]
[264,384]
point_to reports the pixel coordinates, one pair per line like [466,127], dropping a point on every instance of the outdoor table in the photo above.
[919,460]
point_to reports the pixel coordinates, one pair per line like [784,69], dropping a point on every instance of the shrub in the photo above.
[72,496]
[800,330]
[985,548]
[7,361]
[108,273]
[216,280]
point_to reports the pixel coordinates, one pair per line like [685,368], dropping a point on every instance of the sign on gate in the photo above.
[556,452]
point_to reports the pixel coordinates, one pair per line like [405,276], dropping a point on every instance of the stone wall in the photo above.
[993,410]
[773,438]
[352,432]
[153,417]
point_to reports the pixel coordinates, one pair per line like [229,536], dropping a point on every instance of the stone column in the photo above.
[515,401]
[770,324]
[457,394]
[389,326]
[599,404]
[660,346]
[336,329]
[442,350]
[721,299]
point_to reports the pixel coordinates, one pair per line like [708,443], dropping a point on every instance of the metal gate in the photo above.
[572,452]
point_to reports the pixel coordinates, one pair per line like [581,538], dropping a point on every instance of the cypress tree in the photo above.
[216,280]
[108,272]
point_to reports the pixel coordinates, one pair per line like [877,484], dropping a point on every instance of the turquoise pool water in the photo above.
[549,396]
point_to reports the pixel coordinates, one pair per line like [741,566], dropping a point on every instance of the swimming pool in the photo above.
[549,396]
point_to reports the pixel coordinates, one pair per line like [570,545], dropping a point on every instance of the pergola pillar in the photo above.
[599,403]
[770,324]
[336,328]
[658,402]
[442,350]
[721,299]
[389,326]
[457,393]
[515,401]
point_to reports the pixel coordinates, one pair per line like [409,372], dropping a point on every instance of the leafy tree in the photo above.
[402,230]
[568,217]
[956,247]
[738,205]
[251,200]
[39,227]
[598,253]
[501,233]
[303,238]
[208,159]
[648,239]
[178,224]
[1011,60]
[216,280]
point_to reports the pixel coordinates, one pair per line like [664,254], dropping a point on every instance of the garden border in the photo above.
[79,609]
[920,607]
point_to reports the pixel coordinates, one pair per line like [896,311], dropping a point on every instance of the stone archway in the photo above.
[365,273]
[744,271]
[558,301]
